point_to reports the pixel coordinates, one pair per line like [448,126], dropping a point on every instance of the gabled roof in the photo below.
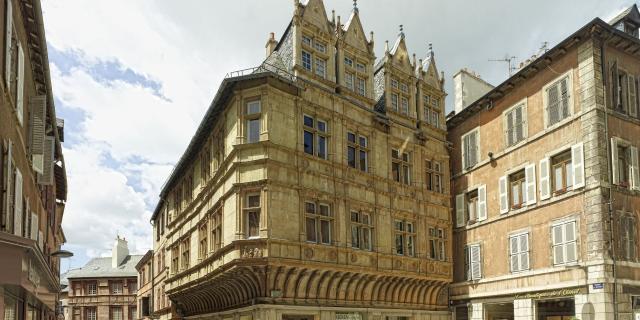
[101,268]
[630,13]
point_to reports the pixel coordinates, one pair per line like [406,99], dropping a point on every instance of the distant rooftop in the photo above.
[101,268]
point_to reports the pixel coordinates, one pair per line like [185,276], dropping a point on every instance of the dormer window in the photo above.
[314,56]
[361,67]
[320,47]
[306,40]
[348,61]
[394,83]
[631,29]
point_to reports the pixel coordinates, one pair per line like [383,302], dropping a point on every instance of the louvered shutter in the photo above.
[20,93]
[553,99]
[545,182]
[41,240]
[614,85]
[8,207]
[513,244]
[631,225]
[615,174]
[38,105]
[7,45]
[524,251]
[631,85]
[467,262]
[482,203]
[35,227]
[504,195]
[473,149]
[460,210]
[635,174]
[564,95]
[476,262]
[530,180]
[17,208]
[634,111]
[465,152]
[510,128]
[558,249]
[570,238]
[46,178]
[519,123]
[577,163]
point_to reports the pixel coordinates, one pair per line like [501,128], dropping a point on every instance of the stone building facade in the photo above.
[316,186]
[105,288]
[546,187]
[32,168]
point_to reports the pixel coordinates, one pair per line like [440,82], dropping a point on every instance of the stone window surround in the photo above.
[525,123]
[570,90]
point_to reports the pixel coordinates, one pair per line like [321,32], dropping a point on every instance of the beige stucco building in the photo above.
[104,288]
[546,186]
[316,186]
[33,188]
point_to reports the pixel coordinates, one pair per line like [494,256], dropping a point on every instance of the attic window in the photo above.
[631,29]
[360,67]
[320,47]
[306,40]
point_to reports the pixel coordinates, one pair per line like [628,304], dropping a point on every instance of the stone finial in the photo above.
[430,52]
[401,31]
[413,61]
[355,6]
[339,25]
[333,17]
[386,46]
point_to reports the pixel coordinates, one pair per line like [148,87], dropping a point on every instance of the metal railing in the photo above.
[265,67]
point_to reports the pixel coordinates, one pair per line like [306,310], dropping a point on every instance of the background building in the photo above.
[316,186]
[145,286]
[105,288]
[32,172]
[546,185]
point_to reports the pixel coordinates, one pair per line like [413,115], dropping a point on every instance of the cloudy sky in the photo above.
[132,79]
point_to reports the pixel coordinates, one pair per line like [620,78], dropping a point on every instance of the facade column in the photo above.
[476,311]
[523,309]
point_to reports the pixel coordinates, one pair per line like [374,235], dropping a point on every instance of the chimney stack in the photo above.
[467,88]
[271,43]
[119,252]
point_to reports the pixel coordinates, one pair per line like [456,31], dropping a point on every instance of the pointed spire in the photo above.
[339,25]
[430,52]
[386,46]
[333,17]
[355,6]
[401,34]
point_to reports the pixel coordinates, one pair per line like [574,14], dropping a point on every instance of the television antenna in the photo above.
[508,60]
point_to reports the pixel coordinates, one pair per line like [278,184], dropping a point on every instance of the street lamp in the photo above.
[62,254]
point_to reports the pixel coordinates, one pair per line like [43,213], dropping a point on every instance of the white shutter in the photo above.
[504,195]
[460,210]
[530,180]
[35,227]
[631,82]
[635,174]
[41,240]
[614,161]
[476,262]
[8,185]
[524,251]
[46,178]
[7,45]
[570,244]
[482,203]
[545,185]
[20,99]
[513,257]
[465,152]
[17,212]
[38,107]
[577,163]
[634,111]
[558,249]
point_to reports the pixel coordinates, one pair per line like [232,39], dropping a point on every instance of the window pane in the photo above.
[515,191]
[322,126]
[351,137]
[253,223]
[253,201]
[253,107]
[253,130]
[399,244]
[399,225]
[308,121]
[410,246]
[362,141]
[405,174]
[366,238]
[557,178]
[365,219]
[320,67]
[306,60]
[311,229]
[308,142]
[355,237]
[310,207]
[351,157]
[324,210]
[363,161]
[395,171]
[325,230]
[322,147]
[354,216]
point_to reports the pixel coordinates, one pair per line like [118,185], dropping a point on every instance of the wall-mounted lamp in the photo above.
[490,154]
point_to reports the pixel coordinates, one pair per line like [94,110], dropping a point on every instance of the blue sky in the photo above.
[132,80]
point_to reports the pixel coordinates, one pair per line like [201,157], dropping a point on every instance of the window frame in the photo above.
[362,227]
[438,241]
[404,166]
[564,244]
[247,211]
[358,150]
[545,103]
[434,175]
[467,166]
[203,241]
[408,237]
[318,218]
[520,252]
[317,135]
[522,104]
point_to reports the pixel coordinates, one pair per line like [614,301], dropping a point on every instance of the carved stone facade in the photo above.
[299,199]
[547,207]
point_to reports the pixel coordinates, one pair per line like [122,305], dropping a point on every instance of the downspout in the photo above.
[610,174]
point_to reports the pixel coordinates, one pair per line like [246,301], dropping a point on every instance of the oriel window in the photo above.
[252,215]
[252,118]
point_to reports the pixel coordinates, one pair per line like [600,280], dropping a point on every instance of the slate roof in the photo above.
[101,268]
[631,13]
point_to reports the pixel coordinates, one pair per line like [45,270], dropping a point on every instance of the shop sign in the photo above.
[598,285]
[348,316]
[549,294]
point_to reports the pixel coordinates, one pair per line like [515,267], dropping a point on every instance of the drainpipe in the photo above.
[610,174]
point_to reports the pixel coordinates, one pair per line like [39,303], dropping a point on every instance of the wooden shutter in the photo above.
[553,97]
[20,92]
[557,239]
[46,178]
[504,195]
[519,123]
[482,203]
[17,208]
[530,180]
[460,210]
[8,197]
[465,152]
[38,105]
[475,147]
[510,129]
[524,251]
[476,262]
[570,244]
[467,263]
[635,174]
[615,174]
[631,84]
[577,164]
[513,257]
[35,227]
[614,85]
[545,182]
[564,95]
[634,111]
[7,46]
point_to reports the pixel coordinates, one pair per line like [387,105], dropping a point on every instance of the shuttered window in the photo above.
[8,40]
[625,166]
[516,124]
[18,202]
[473,262]
[564,241]
[470,149]
[628,234]
[471,206]
[558,95]
[38,107]
[519,252]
